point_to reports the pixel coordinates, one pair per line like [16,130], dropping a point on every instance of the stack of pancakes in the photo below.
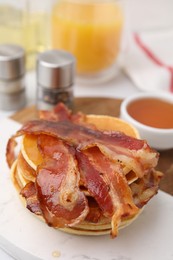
[24,169]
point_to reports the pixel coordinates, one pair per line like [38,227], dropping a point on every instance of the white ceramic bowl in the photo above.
[158,138]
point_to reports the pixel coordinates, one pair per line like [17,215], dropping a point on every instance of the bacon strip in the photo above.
[134,153]
[57,184]
[62,113]
[29,193]
[93,181]
[145,188]
[95,213]
[59,113]
[106,181]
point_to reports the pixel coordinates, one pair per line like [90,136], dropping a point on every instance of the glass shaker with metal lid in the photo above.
[55,78]
[12,73]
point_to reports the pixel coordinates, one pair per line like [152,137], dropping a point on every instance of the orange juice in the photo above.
[90,30]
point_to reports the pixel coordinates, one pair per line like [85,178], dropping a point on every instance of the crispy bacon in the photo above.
[62,113]
[80,118]
[95,213]
[108,185]
[57,184]
[145,188]
[115,145]
[29,193]
[95,184]
[75,155]
[59,113]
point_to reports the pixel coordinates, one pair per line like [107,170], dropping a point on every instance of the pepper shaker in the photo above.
[12,73]
[55,79]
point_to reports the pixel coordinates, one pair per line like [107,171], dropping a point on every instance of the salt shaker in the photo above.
[55,79]
[12,73]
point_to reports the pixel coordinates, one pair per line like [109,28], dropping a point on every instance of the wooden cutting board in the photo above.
[108,106]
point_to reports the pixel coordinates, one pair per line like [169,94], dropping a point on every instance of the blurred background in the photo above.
[150,14]
[108,53]
[29,23]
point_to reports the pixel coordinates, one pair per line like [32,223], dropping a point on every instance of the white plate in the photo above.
[25,237]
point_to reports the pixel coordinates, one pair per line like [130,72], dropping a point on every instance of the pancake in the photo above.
[25,169]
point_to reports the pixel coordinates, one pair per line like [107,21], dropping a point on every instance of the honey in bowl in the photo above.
[152,112]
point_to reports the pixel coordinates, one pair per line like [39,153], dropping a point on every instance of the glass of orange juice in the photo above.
[91,30]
